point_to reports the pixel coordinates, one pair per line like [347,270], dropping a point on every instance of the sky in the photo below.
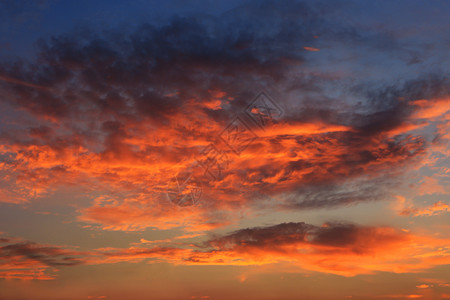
[224,149]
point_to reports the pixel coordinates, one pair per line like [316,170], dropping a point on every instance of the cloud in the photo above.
[27,260]
[338,248]
[139,213]
[311,49]
[339,237]
[405,207]
[344,249]
[15,81]
[404,296]
[122,113]
[422,286]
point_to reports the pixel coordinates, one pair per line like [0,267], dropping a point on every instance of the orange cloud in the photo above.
[336,248]
[140,213]
[410,296]
[26,260]
[311,49]
[406,208]
[436,208]
[422,286]
[431,185]
[426,109]
[138,156]
[23,83]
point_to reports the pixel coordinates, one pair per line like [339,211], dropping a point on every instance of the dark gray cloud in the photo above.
[388,106]
[48,255]
[346,236]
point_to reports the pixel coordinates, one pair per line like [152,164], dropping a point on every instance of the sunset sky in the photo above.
[224,150]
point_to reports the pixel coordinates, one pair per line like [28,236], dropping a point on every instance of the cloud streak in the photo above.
[344,249]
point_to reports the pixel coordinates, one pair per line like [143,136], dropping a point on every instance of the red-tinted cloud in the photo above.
[337,248]
[125,113]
